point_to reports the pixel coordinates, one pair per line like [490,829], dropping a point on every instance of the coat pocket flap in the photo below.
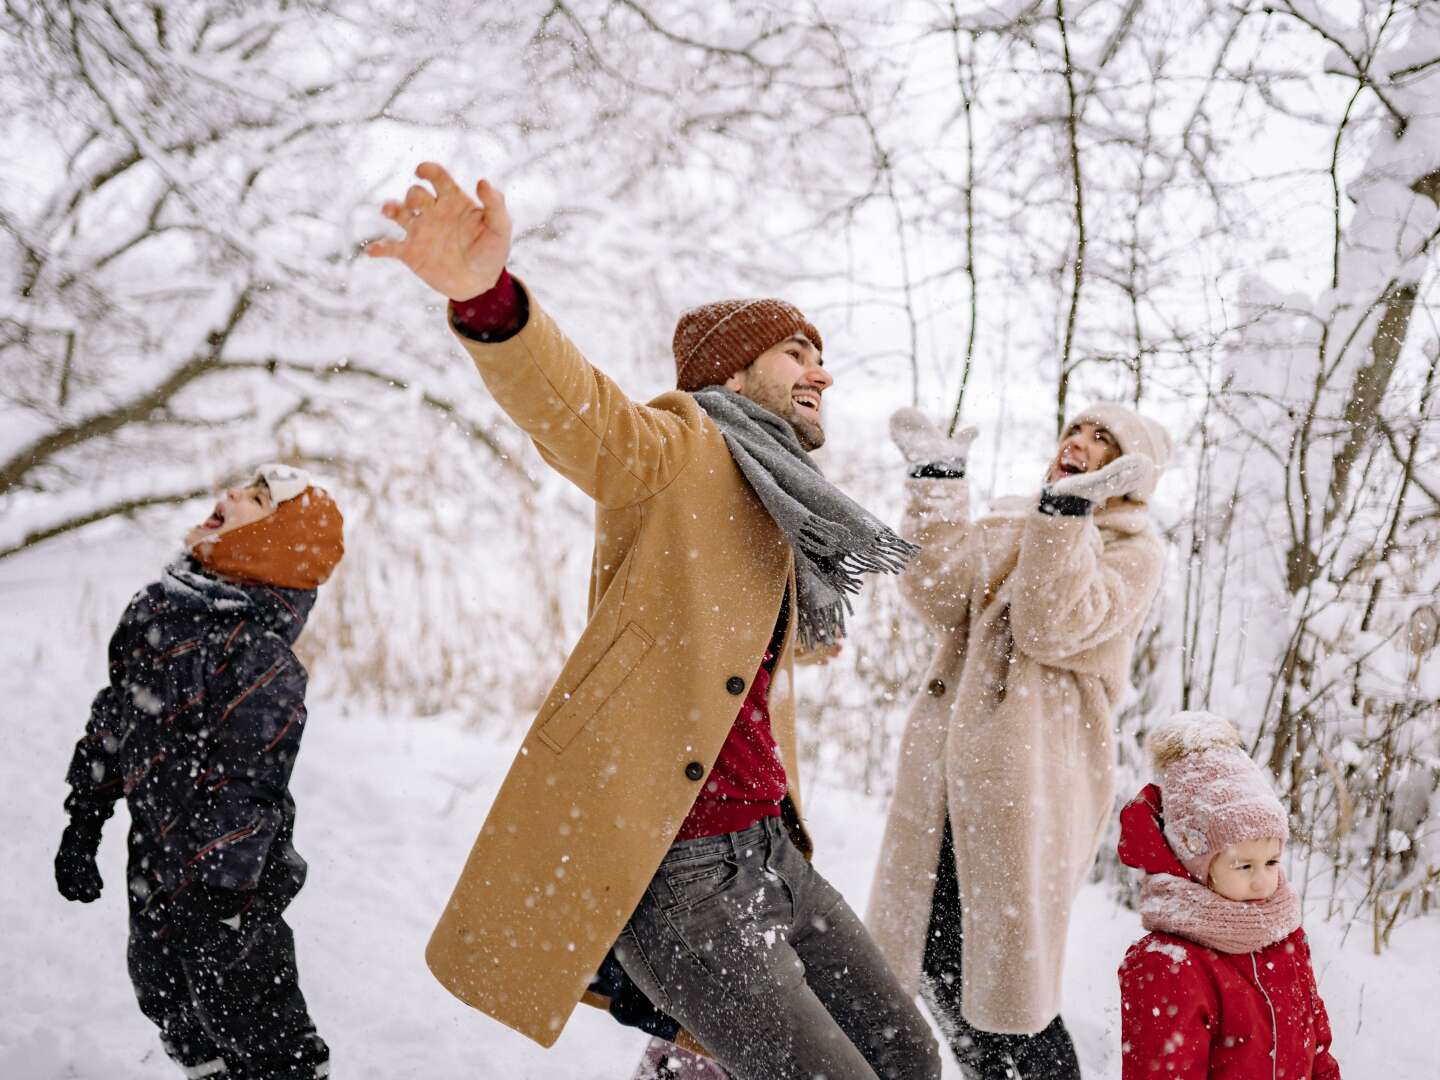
[595,689]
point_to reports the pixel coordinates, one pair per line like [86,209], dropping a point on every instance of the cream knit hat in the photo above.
[1135,434]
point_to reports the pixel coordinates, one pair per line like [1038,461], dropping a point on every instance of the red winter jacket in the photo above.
[1191,1013]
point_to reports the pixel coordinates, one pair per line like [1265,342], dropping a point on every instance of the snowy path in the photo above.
[387,810]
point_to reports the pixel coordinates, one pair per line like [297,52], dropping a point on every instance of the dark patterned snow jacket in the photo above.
[198,731]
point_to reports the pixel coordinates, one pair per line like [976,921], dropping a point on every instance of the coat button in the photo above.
[694,771]
[735,684]
[936,687]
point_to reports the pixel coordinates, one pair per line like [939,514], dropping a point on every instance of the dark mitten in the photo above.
[627,1004]
[1056,504]
[205,922]
[76,874]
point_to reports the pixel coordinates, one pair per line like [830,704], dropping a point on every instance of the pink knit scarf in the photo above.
[1185,908]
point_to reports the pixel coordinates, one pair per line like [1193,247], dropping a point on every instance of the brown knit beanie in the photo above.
[295,547]
[714,341]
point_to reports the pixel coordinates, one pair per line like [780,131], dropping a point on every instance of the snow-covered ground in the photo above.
[388,806]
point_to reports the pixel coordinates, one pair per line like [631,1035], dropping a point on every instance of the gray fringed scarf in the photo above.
[835,540]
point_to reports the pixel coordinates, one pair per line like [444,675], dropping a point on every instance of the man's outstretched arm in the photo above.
[584,426]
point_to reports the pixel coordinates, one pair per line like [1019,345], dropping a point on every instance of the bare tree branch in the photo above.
[42,450]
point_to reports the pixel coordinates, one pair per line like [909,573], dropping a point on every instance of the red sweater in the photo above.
[1191,1013]
[747,781]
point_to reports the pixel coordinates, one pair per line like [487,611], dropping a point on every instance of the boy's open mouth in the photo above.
[216,518]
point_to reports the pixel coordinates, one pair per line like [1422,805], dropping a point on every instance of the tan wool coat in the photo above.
[687,582]
[1037,618]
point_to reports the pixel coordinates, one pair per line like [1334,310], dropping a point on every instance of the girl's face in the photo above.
[237,507]
[1248,871]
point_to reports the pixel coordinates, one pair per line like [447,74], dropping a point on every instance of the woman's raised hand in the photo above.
[453,243]
[921,443]
[1126,475]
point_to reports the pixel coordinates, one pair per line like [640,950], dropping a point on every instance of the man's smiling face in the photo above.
[789,379]
[1084,448]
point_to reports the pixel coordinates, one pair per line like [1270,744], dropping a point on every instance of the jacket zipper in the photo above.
[1274,1027]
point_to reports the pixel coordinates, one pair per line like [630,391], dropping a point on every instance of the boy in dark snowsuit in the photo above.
[198,730]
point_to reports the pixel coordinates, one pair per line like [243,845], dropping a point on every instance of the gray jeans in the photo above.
[742,942]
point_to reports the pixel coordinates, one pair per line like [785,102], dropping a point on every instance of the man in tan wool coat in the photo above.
[646,852]
[1037,607]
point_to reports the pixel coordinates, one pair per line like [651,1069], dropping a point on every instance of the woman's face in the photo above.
[236,508]
[1084,448]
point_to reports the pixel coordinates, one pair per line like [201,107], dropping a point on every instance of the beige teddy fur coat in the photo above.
[1037,618]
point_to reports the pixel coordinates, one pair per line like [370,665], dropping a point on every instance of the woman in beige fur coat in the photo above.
[1037,608]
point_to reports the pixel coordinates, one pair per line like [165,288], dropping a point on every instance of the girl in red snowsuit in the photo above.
[1222,988]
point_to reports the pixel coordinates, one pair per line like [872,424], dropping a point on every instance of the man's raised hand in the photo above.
[453,244]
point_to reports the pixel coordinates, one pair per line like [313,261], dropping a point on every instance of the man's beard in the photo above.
[775,396]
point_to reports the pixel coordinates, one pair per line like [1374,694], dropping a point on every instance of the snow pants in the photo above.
[983,1055]
[241,1020]
[757,956]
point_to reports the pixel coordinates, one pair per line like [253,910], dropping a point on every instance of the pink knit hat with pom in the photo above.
[1212,794]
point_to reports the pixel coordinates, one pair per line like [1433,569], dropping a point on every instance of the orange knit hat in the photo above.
[296,547]
[714,341]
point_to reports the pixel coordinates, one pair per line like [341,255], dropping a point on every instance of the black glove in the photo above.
[627,1004]
[76,874]
[199,930]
